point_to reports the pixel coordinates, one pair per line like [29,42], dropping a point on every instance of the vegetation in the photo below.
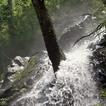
[19,83]
[19,26]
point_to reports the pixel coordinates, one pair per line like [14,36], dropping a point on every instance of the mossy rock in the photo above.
[18,87]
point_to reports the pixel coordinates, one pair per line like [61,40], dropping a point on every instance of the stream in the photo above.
[74,84]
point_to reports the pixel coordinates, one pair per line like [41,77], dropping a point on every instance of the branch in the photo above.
[97,28]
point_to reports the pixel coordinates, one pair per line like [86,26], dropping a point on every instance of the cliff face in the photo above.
[98,60]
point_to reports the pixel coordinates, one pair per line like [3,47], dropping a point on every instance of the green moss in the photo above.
[103,93]
[3,102]
[18,86]
[30,67]
[98,105]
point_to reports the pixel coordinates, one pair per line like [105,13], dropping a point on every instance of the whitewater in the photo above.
[74,84]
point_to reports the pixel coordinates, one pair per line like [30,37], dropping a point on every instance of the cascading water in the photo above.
[74,85]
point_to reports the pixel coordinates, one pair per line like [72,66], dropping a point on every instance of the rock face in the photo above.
[17,65]
[22,73]
[99,61]
[9,88]
[71,34]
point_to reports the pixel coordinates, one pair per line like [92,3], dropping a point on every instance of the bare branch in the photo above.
[97,28]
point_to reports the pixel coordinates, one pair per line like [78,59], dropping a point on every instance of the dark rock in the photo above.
[7,93]
[103,41]
[18,62]
[29,82]
[73,33]
[99,61]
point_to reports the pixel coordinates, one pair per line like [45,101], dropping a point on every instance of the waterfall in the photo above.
[74,85]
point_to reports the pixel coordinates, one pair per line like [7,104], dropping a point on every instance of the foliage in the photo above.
[54,5]
[98,105]
[25,26]
[99,9]
[18,86]
[30,67]
[3,102]
[103,93]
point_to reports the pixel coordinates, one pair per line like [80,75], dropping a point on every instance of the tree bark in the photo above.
[11,28]
[54,52]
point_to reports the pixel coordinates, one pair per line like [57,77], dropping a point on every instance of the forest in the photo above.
[52,52]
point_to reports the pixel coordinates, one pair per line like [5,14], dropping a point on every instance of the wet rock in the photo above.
[72,33]
[17,65]
[99,61]
[29,82]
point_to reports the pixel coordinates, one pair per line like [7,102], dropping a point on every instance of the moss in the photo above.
[18,86]
[3,101]
[30,67]
[98,105]
[103,93]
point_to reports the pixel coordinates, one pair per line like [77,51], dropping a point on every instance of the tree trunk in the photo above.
[10,20]
[54,52]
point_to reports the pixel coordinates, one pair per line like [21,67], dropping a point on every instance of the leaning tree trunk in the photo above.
[10,20]
[54,52]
